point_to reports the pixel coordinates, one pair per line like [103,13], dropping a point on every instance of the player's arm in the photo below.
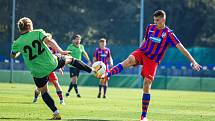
[60,71]
[15,50]
[53,44]
[111,61]
[14,55]
[94,59]
[86,57]
[184,51]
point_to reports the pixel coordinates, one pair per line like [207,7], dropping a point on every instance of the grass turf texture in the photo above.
[122,104]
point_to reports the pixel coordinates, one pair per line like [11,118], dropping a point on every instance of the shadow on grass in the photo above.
[7,118]
[87,120]
[21,119]
[18,102]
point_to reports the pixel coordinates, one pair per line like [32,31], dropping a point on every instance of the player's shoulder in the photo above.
[108,49]
[81,45]
[18,39]
[168,29]
[38,30]
[150,25]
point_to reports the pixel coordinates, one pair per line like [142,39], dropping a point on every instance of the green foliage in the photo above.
[117,20]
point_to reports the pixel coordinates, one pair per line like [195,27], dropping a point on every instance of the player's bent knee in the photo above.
[130,61]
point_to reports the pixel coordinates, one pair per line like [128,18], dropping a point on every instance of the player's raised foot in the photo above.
[99,95]
[35,100]
[78,95]
[143,118]
[67,94]
[104,96]
[56,117]
[62,102]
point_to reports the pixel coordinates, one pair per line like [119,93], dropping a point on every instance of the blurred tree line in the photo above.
[116,20]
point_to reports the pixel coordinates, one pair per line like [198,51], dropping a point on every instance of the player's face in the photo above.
[102,44]
[77,40]
[159,21]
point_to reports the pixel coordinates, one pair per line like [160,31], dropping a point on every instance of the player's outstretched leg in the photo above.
[78,64]
[36,94]
[130,61]
[115,70]
[50,102]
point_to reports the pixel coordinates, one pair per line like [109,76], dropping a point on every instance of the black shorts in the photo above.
[40,82]
[61,62]
[74,71]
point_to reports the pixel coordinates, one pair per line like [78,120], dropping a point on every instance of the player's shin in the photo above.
[59,94]
[115,70]
[81,65]
[145,104]
[36,93]
[49,101]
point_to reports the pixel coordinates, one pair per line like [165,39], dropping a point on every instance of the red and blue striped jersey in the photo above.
[157,41]
[102,55]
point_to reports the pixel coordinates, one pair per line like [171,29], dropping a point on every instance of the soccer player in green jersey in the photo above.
[76,51]
[33,45]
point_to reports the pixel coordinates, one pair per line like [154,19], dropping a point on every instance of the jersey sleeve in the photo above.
[15,48]
[172,39]
[42,34]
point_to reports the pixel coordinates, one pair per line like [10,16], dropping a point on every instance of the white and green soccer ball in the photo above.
[100,67]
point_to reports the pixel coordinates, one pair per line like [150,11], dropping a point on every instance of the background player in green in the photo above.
[33,45]
[76,50]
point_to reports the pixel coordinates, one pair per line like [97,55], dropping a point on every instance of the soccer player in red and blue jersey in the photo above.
[158,37]
[103,54]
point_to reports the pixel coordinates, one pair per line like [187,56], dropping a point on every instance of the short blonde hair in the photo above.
[24,24]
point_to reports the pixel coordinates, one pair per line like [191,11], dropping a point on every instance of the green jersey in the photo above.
[76,52]
[37,56]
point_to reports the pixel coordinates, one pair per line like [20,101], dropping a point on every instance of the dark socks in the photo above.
[81,65]
[105,89]
[36,94]
[70,87]
[59,94]
[115,70]
[76,88]
[100,88]
[145,104]
[49,101]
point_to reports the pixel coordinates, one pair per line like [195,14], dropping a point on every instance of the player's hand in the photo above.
[111,65]
[196,66]
[64,52]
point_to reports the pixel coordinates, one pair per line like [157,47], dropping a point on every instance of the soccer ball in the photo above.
[100,67]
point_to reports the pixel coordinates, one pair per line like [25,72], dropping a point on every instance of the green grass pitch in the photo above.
[122,104]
